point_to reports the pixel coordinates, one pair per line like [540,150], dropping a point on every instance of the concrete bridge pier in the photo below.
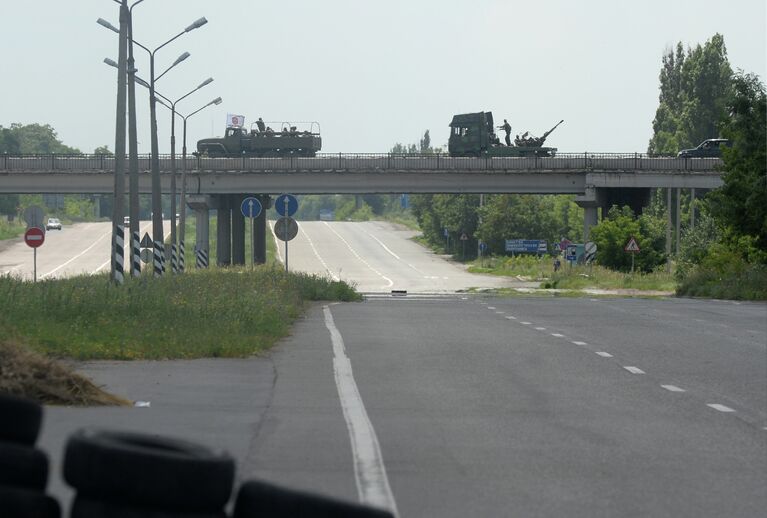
[201,205]
[590,202]
[259,231]
[238,230]
[223,232]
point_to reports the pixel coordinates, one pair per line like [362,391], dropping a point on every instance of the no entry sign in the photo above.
[34,237]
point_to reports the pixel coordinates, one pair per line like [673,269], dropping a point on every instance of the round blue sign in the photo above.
[286,205]
[250,207]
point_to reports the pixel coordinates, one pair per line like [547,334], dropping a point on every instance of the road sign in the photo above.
[445,232]
[146,241]
[631,246]
[564,244]
[483,246]
[532,246]
[464,237]
[33,215]
[285,228]
[571,253]
[146,255]
[34,237]
[251,207]
[286,205]
[590,248]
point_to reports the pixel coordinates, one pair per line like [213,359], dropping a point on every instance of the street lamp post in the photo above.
[157,230]
[174,251]
[182,222]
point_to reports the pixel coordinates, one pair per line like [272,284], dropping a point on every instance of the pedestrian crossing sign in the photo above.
[631,246]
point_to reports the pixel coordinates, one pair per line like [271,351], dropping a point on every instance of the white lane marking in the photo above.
[673,388]
[557,335]
[317,254]
[511,317]
[385,247]
[540,329]
[576,342]
[525,323]
[500,312]
[390,282]
[62,265]
[721,408]
[633,370]
[490,307]
[369,470]
[604,354]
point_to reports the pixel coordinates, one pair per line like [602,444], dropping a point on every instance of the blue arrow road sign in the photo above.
[250,207]
[286,205]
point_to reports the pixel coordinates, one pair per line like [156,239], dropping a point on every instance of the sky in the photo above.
[372,73]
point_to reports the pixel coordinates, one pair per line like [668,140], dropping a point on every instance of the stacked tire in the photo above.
[132,475]
[258,499]
[23,468]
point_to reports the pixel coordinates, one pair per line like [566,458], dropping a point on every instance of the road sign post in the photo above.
[286,205]
[632,247]
[34,237]
[251,208]
[286,228]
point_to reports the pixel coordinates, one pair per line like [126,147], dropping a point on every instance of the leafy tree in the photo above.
[741,204]
[102,150]
[694,87]
[40,139]
[613,232]
[9,141]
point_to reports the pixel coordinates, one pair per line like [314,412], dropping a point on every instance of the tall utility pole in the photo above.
[135,241]
[118,235]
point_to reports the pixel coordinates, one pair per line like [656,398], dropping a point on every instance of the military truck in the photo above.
[263,141]
[473,135]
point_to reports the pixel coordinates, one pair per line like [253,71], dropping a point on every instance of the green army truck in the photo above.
[264,142]
[473,135]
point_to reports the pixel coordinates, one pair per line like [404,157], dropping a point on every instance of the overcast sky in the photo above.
[371,72]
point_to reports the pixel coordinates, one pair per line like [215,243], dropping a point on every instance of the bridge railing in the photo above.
[371,162]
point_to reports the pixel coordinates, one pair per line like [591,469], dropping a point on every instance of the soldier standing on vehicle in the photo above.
[507,128]
[261,125]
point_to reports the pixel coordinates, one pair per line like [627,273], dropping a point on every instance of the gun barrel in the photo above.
[552,129]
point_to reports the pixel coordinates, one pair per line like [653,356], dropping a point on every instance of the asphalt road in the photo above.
[81,248]
[377,257]
[466,405]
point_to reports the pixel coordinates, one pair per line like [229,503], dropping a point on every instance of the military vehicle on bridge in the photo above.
[473,135]
[263,141]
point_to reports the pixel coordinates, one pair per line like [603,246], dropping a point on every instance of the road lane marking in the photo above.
[62,265]
[576,342]
[388,280]
[633,370]
[604,354]
[721,408]
[540,329]
[673,388]
[525,323]
[369,471]
[511,317]
[500,312]
[558,335]
[490,307]
[317,254]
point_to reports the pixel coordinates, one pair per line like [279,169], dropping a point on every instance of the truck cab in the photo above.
[471,134]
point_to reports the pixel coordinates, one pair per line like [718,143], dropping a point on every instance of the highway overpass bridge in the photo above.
[598,180]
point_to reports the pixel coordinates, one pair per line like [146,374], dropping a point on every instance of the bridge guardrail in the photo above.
[371,162]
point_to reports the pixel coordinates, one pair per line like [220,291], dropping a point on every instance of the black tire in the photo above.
[20,419]
[23,466]
[89,508]
[24,503]
[145,470]
[257,499]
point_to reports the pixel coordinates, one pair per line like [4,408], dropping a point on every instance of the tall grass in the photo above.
[207,313]
[10,229]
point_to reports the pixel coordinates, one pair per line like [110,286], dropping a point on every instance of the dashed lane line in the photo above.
[558,335]
[673,388]
[576,342]
[633,370]
[604,354]
[540,329]
[721,408]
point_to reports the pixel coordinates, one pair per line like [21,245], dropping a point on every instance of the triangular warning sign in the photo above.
[632,245]
[146,241]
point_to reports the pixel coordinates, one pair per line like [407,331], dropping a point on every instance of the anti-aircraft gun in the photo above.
[473,135]
[529,141]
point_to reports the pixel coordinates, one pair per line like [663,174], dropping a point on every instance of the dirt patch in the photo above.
[28,374]
[7,243]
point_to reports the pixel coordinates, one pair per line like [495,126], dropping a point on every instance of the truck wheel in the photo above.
[20,419]
[256,498]
[88,508]
[24,503]
[147,470]
[23,466]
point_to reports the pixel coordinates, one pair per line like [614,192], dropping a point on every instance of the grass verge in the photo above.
[11,229]
[206,313]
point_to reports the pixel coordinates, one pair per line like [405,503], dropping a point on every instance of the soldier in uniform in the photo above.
[507,128]
[261,125]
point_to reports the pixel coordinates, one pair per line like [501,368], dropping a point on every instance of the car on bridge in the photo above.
[709,148]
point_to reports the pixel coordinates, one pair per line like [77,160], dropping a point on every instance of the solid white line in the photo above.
[673,388]
[721,408]
[576,342]
[604,354]
[557,335]
[369,470]
[388,280]
[634,370]
[62,265]
[316,253]
[385,247]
